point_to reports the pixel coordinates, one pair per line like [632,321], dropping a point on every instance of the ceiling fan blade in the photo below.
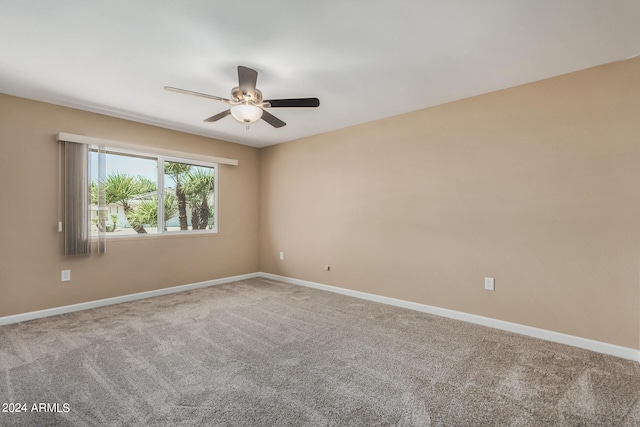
[272,120]
[297,102]
[247,79]
[190,92]
[218,116]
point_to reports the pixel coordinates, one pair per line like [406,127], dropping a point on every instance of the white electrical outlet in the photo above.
[489,283]
[281,255]
[65,275]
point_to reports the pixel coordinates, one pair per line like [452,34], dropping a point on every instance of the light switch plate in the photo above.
[489,283]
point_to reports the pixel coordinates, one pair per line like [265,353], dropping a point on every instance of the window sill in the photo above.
[171,235]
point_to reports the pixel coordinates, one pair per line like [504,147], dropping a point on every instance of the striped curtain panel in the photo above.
[77,201]
[103,211]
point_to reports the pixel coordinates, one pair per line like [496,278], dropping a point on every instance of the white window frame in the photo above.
[161,158]
[216,171]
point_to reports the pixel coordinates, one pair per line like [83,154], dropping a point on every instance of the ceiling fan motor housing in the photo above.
[238,96]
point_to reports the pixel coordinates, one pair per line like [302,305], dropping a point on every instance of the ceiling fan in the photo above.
[247,105]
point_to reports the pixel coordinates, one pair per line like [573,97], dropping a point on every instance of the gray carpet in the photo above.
[262,353]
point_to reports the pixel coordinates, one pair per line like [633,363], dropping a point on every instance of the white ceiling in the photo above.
[364,59]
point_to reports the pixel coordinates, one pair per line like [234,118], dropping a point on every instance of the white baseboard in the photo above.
[597,346]
[6,320]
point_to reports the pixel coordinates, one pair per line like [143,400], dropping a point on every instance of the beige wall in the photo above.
[31,248]
[537,186]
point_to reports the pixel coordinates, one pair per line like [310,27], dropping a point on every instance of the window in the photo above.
[152,194]
[189,202]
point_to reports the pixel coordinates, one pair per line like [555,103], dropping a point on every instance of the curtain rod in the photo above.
[80,139]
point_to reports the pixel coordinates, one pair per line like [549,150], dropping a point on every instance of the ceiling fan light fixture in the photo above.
[246,113]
